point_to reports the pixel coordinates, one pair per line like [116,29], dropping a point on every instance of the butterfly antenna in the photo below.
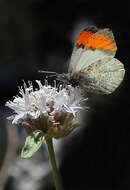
[49,73]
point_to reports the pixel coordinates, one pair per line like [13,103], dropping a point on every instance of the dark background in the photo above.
[40,34]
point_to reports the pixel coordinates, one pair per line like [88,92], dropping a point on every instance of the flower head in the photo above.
[50,109]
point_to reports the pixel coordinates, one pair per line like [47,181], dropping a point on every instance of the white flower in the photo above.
[50,109]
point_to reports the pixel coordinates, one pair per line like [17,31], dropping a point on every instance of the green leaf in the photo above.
[32,144]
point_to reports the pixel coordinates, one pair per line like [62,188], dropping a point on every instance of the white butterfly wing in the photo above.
[103,76]
[91,47]
[82,58]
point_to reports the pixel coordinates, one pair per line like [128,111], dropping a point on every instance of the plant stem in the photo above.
[53,163]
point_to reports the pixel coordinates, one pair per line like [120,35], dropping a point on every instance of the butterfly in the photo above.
[93,65]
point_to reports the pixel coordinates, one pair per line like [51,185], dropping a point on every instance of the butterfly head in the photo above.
[67,78]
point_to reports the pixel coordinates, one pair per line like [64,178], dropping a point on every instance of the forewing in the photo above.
[92,45]
[102,77]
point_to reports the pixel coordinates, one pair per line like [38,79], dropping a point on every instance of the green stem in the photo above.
[53,163]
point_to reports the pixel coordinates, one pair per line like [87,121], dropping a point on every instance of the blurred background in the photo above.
[39,35]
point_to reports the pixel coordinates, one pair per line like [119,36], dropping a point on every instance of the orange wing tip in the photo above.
[83,38]
[95,41]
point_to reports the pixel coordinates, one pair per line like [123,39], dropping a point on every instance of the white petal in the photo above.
[18,117]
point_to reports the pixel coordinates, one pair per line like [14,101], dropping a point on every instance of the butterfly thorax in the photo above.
[67,78]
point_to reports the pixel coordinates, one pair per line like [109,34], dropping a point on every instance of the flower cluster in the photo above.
[53,110]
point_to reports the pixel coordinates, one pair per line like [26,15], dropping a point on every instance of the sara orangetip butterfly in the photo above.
[93,66]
